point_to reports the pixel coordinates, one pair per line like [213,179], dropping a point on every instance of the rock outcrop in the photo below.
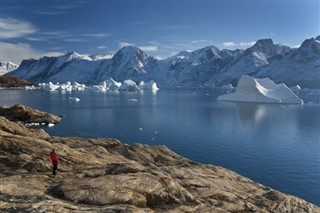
[26,114]
[103,175]
[13,82]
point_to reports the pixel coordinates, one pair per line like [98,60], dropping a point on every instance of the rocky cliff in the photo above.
[13,82]
[103,175]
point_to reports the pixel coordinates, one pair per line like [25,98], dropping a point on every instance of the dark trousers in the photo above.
[54,169]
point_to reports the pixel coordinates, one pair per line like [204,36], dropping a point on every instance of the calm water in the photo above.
[278,146]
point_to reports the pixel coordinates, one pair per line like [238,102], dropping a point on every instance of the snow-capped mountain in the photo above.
[250,61]
[205,66]
[7,66]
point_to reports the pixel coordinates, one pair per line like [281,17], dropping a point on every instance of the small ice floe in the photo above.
[152,139]
[30,87]
[31,124]
[227,87]
[133,100]
[74,99]
[140,129]
[155,132]
[50,125]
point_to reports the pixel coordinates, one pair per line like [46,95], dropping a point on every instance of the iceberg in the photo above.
[151,85]
[50,86]
[74,99]
[77,86]
[66,86]
[108,85]
[262,90]
[112,84]
[129,85]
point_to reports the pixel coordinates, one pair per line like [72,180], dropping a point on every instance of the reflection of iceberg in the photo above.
[255,112]
[262,91]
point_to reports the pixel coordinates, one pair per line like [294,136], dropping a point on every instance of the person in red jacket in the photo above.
[55,161]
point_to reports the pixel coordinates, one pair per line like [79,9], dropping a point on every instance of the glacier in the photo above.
[263,90]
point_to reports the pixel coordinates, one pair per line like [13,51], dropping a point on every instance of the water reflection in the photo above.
[251,112]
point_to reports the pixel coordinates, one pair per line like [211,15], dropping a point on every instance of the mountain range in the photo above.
[208,66]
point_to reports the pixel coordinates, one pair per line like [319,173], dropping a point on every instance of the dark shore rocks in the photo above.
[26,115]
[103,175]
[13,82]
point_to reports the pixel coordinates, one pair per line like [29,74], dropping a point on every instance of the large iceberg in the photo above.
[262,90]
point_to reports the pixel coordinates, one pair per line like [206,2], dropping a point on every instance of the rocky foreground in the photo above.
[103,175]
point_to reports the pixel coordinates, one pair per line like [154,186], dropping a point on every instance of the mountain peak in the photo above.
[74,55]
[131,49]
[264,42]
[310,48]
[129,52]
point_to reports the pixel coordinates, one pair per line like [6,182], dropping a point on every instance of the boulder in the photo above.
[26,114]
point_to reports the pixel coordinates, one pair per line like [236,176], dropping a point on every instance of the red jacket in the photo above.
[54,158]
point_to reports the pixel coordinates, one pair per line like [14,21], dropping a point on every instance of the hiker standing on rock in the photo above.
[54,160]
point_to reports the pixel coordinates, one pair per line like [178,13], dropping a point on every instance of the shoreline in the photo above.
[106,175]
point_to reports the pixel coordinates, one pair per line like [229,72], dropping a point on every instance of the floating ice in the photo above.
[227,87]
[50,86]
[133,100]
[140,129]
[262,91]
[74,99]
[112,84]
[151,85]
[50,125]
[129,85]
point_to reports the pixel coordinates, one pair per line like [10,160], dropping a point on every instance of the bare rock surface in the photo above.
[13,82]
[103,175]
[26,114]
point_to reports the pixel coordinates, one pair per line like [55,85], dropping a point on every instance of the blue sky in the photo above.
[32,28]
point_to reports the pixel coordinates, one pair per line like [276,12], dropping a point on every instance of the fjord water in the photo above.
[276,145]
